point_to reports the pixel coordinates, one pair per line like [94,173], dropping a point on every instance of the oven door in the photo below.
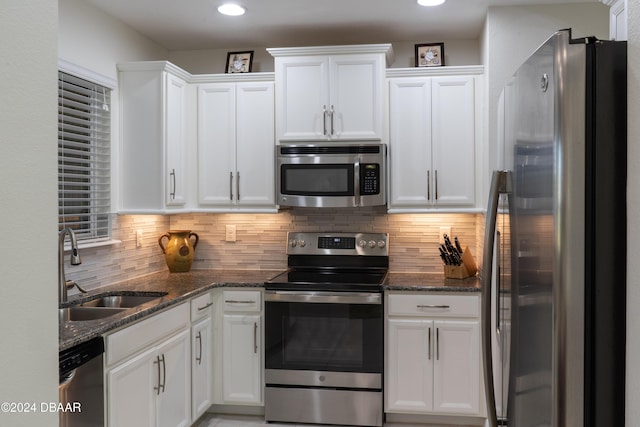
[326,339]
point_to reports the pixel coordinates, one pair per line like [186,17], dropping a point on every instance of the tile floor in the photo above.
[216,420]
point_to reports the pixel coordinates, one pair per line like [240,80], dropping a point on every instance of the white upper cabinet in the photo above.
[236,146]
[154,174]
[434,136]
[331,93]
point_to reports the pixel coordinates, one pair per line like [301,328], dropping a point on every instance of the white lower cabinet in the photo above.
[238,371]
[433,355]
[148,372]
[152,389]
[242,373]
[201,355]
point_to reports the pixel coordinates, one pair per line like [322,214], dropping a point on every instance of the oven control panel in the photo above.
[362,244]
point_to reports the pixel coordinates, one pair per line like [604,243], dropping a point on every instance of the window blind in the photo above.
[84,157]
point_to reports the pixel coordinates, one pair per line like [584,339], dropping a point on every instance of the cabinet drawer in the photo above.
[430,305]
[201,307]
[145,333]
[242,301]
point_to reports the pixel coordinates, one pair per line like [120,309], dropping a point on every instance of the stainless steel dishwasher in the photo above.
[81,386]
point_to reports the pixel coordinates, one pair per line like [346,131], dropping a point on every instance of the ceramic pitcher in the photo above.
[178,252]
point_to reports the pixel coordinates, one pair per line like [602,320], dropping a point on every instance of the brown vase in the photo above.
[179,252]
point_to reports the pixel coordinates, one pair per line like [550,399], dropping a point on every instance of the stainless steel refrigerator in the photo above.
[554,274]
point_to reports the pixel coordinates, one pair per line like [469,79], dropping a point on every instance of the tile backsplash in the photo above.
[261,238]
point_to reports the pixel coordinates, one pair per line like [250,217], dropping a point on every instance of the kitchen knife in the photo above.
[443,255]
[458,246]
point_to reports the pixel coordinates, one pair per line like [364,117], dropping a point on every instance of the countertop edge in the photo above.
[185,286]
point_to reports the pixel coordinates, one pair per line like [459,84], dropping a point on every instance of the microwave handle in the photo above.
[356,184]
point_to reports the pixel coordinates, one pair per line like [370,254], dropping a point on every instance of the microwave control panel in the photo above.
[369,178]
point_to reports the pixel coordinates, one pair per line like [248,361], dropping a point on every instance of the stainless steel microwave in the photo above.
[340,175]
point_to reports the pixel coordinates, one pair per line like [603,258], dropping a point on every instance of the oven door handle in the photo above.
[324,297]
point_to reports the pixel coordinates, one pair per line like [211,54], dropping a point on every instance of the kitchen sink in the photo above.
[102,306]
[122,301]
[77,313]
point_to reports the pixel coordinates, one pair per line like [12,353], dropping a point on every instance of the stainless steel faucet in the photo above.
[75,260]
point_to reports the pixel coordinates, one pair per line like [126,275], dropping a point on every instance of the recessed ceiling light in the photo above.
[430,2]
[231,9]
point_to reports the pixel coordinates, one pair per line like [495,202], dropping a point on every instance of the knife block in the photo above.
[468,268]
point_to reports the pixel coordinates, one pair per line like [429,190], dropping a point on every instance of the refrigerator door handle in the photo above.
[500,183]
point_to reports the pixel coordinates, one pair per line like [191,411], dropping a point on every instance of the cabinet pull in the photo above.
[429,343]
[172,175]
[324,119]
[331,115]
[164,373]
[199,338]
[231,186]
[238,186]
[157,362]
[432,306]
[235,301]
[204,307]
[428,185]
[436,173]
[255,338]
[437,343]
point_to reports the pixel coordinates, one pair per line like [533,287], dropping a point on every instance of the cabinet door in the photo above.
[453,131]
[410,142]
[216,144]
[242,382]
[457,367]
[132,388]
[175,140]
[173,401]
[302,98]
[255,170]
[356,84]
[201,367]
[409,380]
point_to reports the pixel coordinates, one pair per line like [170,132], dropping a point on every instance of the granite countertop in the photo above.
[184,286]
[430,282]
[179,287]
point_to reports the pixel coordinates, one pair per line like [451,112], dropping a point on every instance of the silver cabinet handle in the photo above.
[255,338]
[204,307]
[157,361]
[432,306]
[324,119]
[428,185]
[437,343]
[161,377]
[199,338]
[331,115]
[429,343]
[172,174]
[231,186]
[436,177]
[238,186]
[164,373]
[235,301]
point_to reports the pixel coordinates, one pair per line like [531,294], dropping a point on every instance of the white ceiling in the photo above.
[195,24]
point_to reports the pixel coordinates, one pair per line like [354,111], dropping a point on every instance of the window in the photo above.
[84,158]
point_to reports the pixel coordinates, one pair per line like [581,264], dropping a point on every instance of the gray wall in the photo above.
[28,295]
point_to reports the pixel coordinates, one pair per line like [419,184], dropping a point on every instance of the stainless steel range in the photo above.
[324,330]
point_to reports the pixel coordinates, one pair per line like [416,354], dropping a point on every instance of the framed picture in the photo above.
[239,62]
[430,55]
